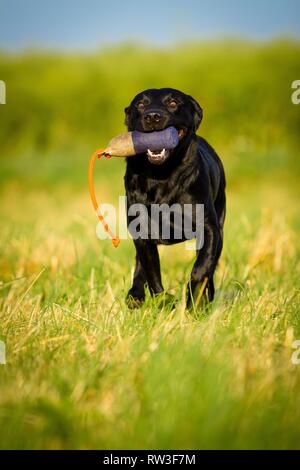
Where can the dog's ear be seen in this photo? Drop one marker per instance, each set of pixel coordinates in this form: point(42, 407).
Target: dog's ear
point(198, 112)
point(127, 113)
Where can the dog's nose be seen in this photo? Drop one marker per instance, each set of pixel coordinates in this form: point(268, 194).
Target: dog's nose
point(153, 118)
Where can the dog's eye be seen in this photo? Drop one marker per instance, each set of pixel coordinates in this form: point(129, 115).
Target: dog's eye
point(140, 105)
point(173, 104)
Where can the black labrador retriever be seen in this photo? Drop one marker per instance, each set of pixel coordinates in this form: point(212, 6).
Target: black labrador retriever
point(192, 173)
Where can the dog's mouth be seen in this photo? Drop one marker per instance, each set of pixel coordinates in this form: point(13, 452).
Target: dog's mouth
point(158, 157)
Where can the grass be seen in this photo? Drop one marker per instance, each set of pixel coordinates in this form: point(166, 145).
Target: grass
point(82, 370)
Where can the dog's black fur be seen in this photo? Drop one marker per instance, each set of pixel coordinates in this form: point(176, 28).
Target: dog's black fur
point(192, 174)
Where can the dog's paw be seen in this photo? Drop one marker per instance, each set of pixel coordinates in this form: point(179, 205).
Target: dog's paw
point(134, 302)
point(164, 299)
point(200, 294)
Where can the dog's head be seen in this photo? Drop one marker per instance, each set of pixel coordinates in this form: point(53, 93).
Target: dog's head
point(158, 109)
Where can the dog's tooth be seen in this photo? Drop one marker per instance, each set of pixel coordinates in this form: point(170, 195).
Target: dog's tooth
point(156, 155)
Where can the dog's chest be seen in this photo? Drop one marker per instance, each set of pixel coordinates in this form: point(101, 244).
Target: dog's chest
point(147, 185)
point(146, 190)
point(155, 192)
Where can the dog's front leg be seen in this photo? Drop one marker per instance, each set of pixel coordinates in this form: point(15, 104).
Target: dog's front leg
point(136, 294)
point(201, 283)
point(147, 271)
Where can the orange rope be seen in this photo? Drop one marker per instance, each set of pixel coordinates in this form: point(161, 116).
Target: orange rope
point(98, 154)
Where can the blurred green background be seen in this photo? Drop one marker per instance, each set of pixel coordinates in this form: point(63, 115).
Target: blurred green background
point(82, 370)
point(61, 106)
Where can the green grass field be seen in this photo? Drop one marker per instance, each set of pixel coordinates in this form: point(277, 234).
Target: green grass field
point(82, 370)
